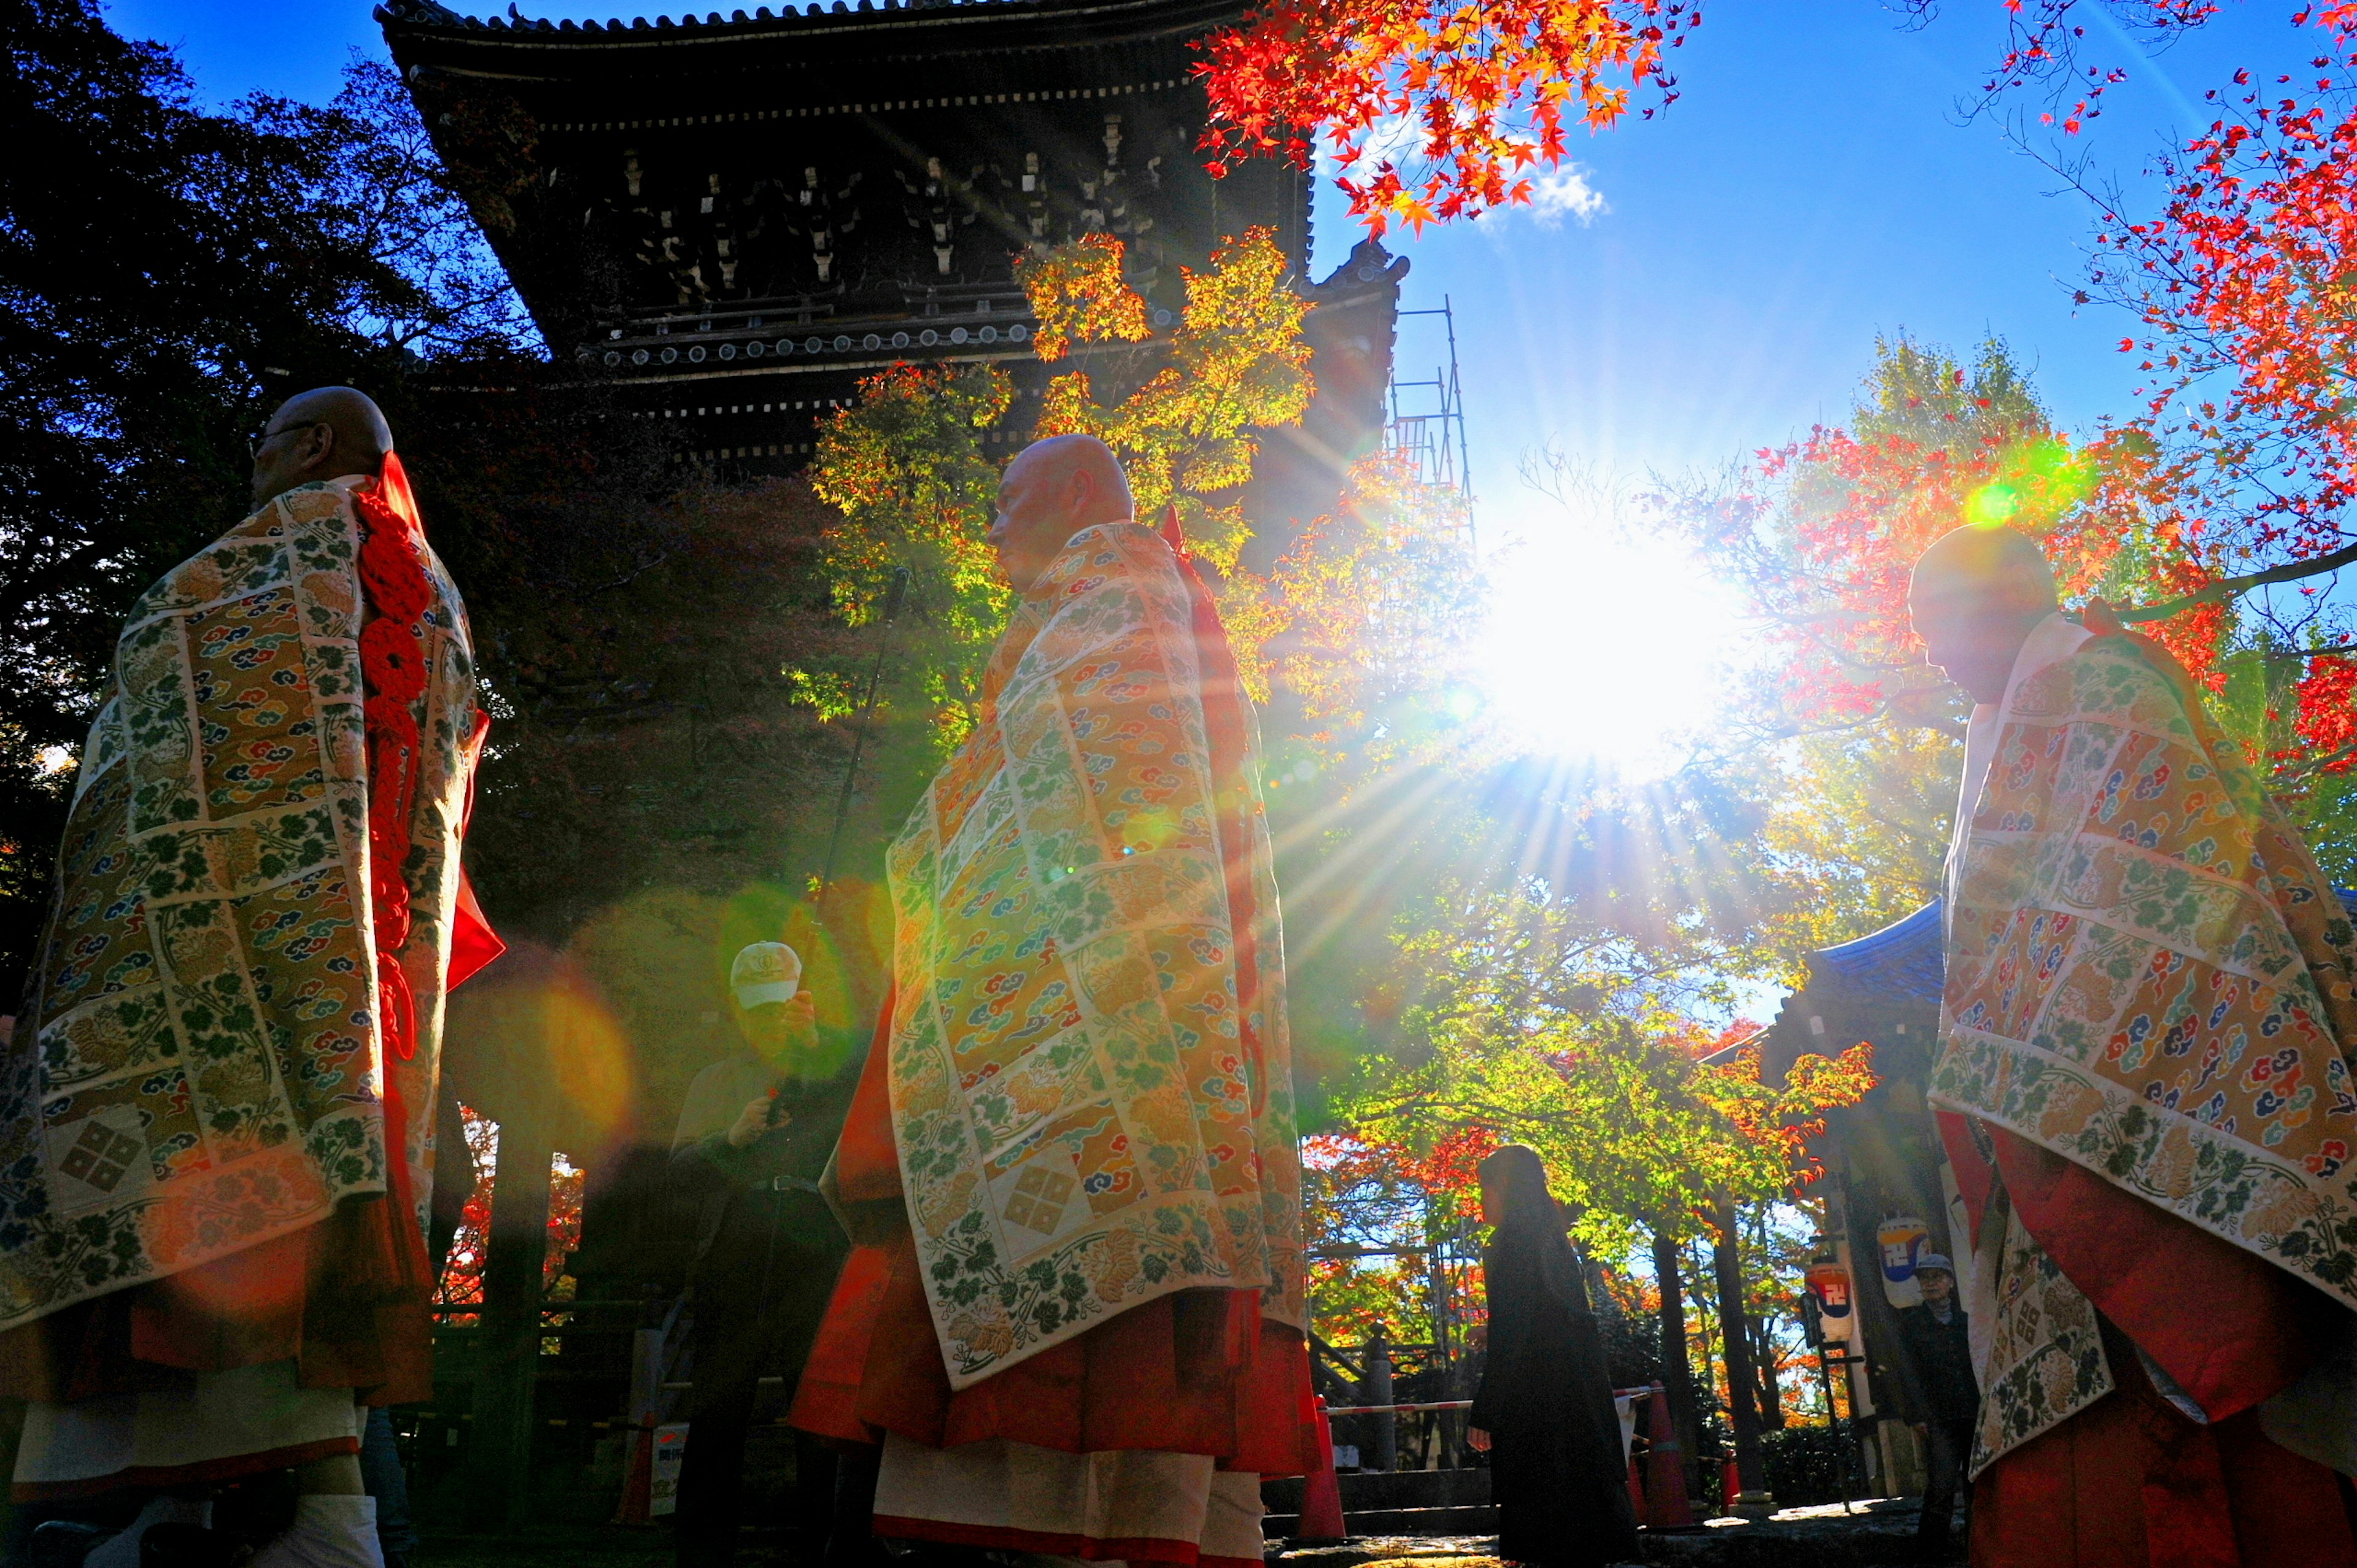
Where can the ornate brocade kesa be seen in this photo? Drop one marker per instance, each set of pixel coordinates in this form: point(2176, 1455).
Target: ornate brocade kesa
point(2046, 1359)
point(1080, 1121)
point(197, 1066)
point(2148, 975)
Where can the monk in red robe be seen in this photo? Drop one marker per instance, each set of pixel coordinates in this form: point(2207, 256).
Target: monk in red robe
point(2143, 1090)
point(217, 1106)
point(1074, 1322)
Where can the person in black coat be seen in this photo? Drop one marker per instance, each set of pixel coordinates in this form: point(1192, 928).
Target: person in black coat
point(1939, 1334)
point(753, 1141)
point(1544, 1413)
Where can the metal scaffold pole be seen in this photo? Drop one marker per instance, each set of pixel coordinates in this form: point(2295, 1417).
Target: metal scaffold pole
point(1427, 422)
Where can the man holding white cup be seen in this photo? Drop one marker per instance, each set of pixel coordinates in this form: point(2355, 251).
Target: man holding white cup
point(753, 1140)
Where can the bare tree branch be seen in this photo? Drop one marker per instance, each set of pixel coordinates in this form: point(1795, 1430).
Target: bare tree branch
point(2225, 589)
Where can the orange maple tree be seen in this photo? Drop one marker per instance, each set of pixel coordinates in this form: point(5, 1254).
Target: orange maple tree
point(1825, 537)
point(1236, 365)
point(2242, 284)
point(1078, 293)
point(2231, 475)
point(461, 1285)
point(1434, 110)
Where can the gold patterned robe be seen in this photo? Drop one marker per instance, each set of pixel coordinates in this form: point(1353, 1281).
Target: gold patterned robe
point(200, 1065)
point(2148, 977)
point(1091, 1085)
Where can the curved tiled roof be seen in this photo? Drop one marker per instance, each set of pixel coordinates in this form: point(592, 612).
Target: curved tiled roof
point(427, 14)
point(1904, 957)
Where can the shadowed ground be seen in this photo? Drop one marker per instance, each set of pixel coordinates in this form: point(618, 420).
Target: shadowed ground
point(1882, 1534)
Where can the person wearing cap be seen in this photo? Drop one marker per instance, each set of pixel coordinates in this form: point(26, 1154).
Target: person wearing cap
point(752, 1141)
point(1939, 1338)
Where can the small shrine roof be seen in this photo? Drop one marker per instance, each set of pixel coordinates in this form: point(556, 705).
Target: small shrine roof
point(1904, 958)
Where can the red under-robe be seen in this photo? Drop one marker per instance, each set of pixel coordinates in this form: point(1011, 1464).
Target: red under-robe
point(2130, 1482)
point(1197, 1372)
point(344, 1299)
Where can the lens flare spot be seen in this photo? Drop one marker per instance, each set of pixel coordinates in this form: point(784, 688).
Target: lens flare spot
point(1992, 505)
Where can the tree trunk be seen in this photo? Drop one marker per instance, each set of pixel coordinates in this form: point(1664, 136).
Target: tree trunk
point(1771, 1392)
point(1376, 1388)
point(1735, 1340)
point(1763, 1343)
point(1677, 1369)
point(507, 1368)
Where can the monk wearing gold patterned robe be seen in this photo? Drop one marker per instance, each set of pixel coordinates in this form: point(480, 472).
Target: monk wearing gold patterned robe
point(216, 1104)
point(1075, 1321)
point(2144, 1090)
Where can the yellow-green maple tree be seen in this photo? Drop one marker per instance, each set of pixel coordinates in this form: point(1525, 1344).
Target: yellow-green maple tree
point(906, 468)
point(1369, 615)
point(1237, 364)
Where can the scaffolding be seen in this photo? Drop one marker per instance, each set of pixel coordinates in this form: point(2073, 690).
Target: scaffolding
point(1427, 418)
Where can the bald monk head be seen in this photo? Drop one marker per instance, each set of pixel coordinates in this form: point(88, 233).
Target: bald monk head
point(1053, 490)
point(323, 433)
point(1978, 593)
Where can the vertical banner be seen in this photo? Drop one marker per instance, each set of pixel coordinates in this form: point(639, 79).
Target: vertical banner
point(671, 1449)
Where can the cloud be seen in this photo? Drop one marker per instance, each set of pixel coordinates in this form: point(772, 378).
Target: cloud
point(1556, 193)
point(1564, 192)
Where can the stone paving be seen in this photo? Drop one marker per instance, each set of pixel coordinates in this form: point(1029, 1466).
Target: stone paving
point(1877, 1534)
point(1880, 1533)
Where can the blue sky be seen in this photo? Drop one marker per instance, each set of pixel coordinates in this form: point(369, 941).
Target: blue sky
point(1815, 187)
point(1812, 188)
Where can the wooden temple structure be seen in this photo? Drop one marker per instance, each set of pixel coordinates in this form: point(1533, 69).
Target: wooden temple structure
point(731, 221)
point(723, 224)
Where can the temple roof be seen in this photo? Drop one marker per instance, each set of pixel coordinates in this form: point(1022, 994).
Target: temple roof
point(520, 50)
point(427, 13)
point(684, 199)
point(1903, 959)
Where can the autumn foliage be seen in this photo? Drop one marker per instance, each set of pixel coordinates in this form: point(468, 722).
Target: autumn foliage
point(1367, 617)
point(2242, 286)
point(1079, 296)
point(462, 1271)
point(1779, 1120)
point(1435, 109)
point(1825, 539)
point(1236, 363)
point(2242, 459)
point(904, 468)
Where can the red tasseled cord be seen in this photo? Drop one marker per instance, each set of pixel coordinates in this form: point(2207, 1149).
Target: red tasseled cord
point(392, 663)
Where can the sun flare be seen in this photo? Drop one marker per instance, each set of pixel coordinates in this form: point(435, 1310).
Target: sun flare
point(1603, 643)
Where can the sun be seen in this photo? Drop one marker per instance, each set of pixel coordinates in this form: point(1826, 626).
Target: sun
point(1604, 643)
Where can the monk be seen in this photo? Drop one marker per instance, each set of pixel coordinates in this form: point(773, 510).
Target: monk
point(1074, 1322)
point(217, 1111)
point(2144, 1092)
